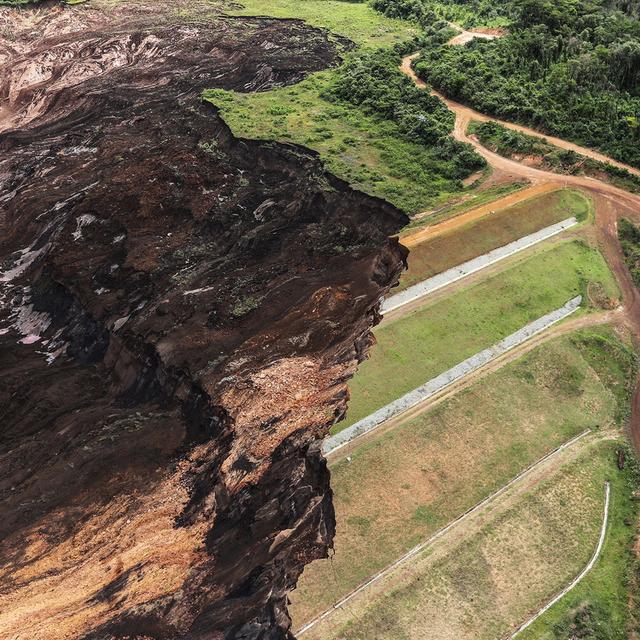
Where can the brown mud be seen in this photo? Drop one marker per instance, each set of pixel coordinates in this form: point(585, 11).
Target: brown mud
point(180, 311)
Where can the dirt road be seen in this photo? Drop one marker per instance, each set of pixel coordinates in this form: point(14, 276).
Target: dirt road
point(446, 226)
point(465, 114)
point(611, 203)
point(465, 36)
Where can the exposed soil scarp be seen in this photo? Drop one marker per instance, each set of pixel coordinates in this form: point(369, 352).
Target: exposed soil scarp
point(180, 311)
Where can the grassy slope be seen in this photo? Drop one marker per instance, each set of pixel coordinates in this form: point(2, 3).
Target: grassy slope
point(496, 230)
point(599, 606)
point(368, 153)
point(416, 348)
point(491, 581)
point(431, 468)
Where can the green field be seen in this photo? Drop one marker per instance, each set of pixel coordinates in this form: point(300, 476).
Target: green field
point(600, 606)
point(416, 348)
point(495, 230)
point(369, 151)
point(482, 585)
point(353, 20)
point(431, 465)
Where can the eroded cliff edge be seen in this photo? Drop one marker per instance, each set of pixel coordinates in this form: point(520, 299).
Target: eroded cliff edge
point(180, 313)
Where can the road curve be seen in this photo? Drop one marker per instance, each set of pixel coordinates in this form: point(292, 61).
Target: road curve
point(465, 36)
point(465, 114)
point(611, 204)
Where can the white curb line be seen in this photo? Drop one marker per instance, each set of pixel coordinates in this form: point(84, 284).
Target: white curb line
point(470, 267)
point(582, 574)
point(444, 380)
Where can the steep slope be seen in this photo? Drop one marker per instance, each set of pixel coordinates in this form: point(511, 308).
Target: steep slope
point(180, 312)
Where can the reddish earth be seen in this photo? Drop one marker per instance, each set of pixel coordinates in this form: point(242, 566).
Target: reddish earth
point(447, 226)
point(180, 312)
point(611, 203)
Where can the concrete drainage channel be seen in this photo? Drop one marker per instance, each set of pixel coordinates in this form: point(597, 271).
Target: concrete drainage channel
point(465, 269)
point(444, 380)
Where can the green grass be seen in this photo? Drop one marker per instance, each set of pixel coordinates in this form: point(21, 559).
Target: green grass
point(354, 20)
point(495, 230)
point(467, 201)
point(365, 151)
point(598, 608)
point(414, 349)
point(488, 582)
point(431, 468)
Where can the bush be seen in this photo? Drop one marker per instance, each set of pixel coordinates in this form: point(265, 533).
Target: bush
point(372, 81)
point(629, 235)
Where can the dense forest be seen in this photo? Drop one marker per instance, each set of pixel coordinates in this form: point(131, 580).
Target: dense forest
point(569, 67)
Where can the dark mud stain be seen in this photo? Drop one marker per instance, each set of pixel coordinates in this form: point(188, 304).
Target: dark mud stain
point(179, 313)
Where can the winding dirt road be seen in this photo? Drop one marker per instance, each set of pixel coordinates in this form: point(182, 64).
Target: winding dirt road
point(465, 114)
point(611, 203)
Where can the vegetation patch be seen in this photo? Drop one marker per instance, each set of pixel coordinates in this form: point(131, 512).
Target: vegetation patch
point(484, 585)
point(615, 363)
point(431, 467)
point(495, 230)
point(520, 146)
point(416, 348)
point(629, 235)
point(368, 121)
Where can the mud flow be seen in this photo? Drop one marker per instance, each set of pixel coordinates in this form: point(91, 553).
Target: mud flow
point(180, 311)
